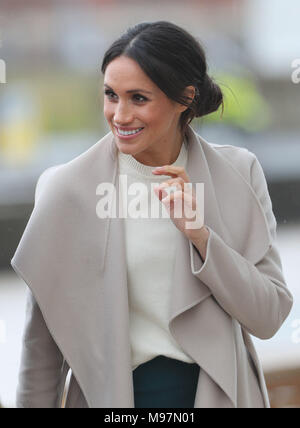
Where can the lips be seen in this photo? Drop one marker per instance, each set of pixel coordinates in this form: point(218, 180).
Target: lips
point(128, 128)
point(126, 135)
point(127, 132)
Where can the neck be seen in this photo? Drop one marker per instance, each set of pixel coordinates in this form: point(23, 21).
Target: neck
point(165, 157)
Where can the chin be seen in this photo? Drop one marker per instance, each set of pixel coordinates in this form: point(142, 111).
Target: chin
point(126, 149)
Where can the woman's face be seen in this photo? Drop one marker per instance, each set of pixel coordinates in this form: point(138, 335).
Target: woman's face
point(132, 102)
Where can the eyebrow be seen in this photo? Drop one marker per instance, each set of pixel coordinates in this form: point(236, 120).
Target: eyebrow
point(131, 90)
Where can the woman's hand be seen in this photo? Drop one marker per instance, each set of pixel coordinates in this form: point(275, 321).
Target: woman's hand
point(181, 203)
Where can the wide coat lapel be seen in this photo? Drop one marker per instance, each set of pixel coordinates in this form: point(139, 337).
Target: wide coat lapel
point(197, 322)
point(75, 264)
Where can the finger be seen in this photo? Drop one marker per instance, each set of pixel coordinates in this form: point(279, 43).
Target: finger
point(173, 171)
point(161, 193)
point(184, 201)
point(173, 196)
point(179, 193)
point(178, 182)
point(173, 202)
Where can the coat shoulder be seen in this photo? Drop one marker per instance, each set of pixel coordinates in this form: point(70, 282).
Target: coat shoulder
point(45, 178)
point(240, 158)
point(230, 151)
point(66, 177)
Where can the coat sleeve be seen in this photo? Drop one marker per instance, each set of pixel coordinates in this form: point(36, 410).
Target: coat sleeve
point(255, 295)
point(41, 362)
point(39, 383)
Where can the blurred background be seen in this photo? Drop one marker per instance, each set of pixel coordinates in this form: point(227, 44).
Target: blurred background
point(51, 110)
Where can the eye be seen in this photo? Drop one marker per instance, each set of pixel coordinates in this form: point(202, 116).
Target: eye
point(109, 93)
point(141, 98)
point(137, 97)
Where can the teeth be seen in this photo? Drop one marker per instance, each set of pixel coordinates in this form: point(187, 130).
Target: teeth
point(128, 132)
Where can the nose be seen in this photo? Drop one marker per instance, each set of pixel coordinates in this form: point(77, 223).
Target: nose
point(123, 114)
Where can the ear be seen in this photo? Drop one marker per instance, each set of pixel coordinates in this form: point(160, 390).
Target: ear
point(190, 92)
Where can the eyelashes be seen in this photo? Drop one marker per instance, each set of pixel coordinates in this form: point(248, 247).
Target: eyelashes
point(137, 97)
point(107, 92)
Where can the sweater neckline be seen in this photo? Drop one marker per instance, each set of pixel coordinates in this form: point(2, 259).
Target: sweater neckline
point(129, 162)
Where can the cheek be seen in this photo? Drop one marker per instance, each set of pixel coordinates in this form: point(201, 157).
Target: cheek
point(162, 112)
point(108, 110)
point(154, 115)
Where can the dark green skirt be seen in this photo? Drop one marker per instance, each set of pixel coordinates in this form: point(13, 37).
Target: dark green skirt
point(164, 382)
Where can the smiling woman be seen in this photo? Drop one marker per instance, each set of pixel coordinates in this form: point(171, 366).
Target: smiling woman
point(148, 312)
point(153, 92)
point(141, 124)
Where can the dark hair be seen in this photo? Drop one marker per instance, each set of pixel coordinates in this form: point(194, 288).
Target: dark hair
point(173, 59)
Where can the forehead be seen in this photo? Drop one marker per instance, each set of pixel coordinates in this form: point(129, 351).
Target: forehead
point(126, 73)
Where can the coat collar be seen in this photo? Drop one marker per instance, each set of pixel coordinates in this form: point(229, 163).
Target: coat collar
point(75, 265)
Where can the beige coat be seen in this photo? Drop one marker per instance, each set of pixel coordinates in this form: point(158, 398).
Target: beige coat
point(77, 312)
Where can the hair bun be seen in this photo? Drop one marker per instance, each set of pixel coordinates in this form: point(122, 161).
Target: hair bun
point(209, 97)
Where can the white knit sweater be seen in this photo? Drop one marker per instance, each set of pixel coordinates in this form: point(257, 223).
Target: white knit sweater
point(150, 253)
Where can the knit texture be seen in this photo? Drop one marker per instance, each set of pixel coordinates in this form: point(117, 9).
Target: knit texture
point(150, 255)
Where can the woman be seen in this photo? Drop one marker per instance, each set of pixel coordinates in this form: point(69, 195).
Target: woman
point(151, 311)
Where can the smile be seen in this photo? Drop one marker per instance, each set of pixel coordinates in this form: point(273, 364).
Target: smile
point(128, 134)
